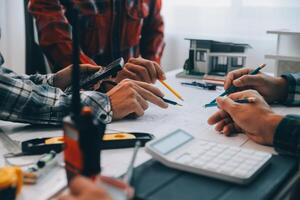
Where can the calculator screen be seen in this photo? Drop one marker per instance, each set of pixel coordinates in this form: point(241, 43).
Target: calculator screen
point(172, 142)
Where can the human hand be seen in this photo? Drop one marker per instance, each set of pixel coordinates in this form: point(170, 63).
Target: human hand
point(62, 79)
point(83, 189)
point(140, 69)
point(130, 97)
point(271, 88)
point(256, 119)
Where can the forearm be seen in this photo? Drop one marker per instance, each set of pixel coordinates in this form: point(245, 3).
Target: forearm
point(36, 78)
point(287, 136)
point(23, 101)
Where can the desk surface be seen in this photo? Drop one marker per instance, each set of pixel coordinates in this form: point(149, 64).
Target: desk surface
point(192, 117)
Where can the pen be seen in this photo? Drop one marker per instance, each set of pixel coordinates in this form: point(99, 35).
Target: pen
point(170, 102)
point(128, 176)
point(208, 86)
point(245, 100)
point(171, 90)
point(234, 88)
point(43, 166)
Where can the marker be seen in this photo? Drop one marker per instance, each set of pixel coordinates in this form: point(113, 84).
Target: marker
point(170, 102)
point(234, 88)
point(128, 176)
point(246, 100)
point(171, 90)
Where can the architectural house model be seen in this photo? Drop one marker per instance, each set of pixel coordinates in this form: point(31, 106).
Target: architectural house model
point(214, 58)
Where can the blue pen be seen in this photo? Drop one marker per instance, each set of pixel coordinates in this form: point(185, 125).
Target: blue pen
point(234, 88)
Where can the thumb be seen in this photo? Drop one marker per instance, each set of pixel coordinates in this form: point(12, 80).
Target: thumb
point(226, 104)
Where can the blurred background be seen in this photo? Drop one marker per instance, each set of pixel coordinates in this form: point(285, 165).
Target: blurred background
point(242, 21)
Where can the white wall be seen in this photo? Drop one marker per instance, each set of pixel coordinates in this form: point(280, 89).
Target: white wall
point(12, 42)
point(228, 20)
point(243, 21)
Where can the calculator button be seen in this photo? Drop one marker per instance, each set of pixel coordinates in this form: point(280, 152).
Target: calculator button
point(218, 161)
point(198, 163)
point(184, 159)
point(206, 157)
point(211, 166)
point(234, 149)
point(250, 162)
point(240, 173)
point(225, 170)
point(211, 153)
point(244, 167)
point(247, 151)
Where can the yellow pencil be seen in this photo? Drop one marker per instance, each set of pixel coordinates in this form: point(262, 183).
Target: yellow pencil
point(171, 90)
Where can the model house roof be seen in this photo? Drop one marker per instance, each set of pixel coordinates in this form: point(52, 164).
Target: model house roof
point(216, 46)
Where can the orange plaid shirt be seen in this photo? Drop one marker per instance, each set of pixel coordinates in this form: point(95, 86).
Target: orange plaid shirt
point(109, 29)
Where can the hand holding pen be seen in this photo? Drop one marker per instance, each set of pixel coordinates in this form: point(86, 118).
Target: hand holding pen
point(256, 120)
point(231, 88)
point(271, 88)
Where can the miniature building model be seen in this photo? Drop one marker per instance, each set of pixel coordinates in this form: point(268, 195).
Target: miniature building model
point(214, 58)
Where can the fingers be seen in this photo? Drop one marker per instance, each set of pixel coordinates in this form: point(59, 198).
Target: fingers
point(218, 116)
point(141, 72)
point(89, 68)
point(151, 96)
point(144, 104)
point(148, 65)
point(231, 76)
point(248, 81)
point(160, 73)
point(245, 94)
point(80, 184)
point(154, 70)
point(67, 197)
point(150, 88)
point(129, 75)
point(226, 104)
point(222, 123)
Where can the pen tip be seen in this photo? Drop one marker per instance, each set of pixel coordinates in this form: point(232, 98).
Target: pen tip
point(179, 104)
point(262, 66)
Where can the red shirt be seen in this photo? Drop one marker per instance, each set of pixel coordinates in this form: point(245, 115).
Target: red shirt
point(109, 29)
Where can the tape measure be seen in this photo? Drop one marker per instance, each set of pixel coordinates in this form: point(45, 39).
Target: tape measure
point(110, 141)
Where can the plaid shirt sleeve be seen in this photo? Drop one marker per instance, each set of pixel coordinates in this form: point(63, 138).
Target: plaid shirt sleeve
point(152, 40)
point(287, 136)
point(36, 78)
point(293, 98)
point(28, 99)
point(51, 22)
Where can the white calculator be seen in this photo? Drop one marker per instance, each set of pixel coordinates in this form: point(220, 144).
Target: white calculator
point(180, 150)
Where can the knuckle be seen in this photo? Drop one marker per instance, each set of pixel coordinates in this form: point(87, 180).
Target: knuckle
point(128, 83)
point(131, 93)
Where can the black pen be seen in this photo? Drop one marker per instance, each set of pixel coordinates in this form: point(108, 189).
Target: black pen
point(245, 100)
point(170, 102)
point(234, 88)
point(128, 176)
point(208, 86)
